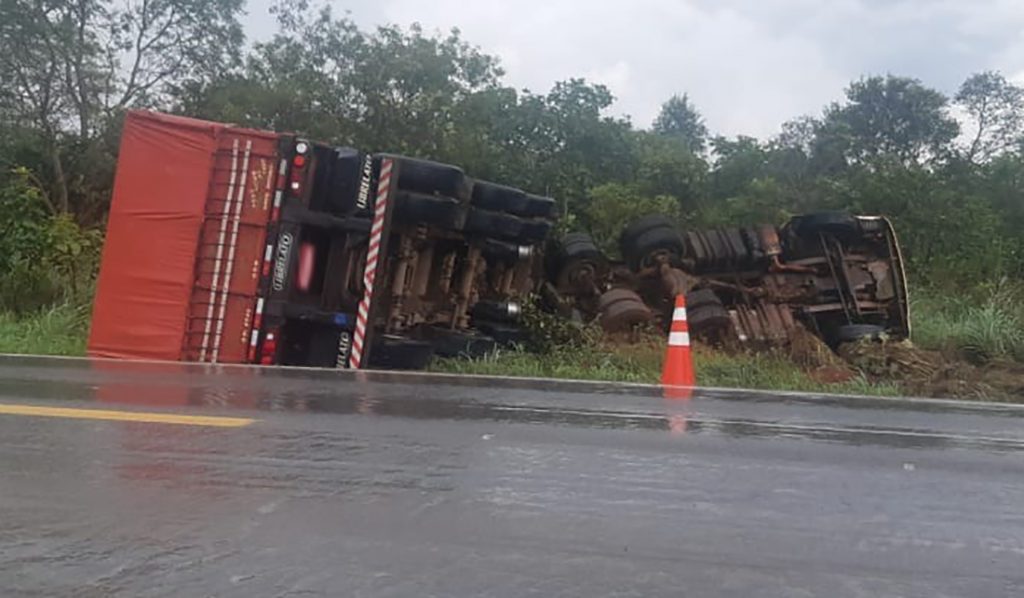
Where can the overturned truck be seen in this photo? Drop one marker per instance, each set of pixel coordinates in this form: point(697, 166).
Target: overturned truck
point(837, 275)
point(233, 245)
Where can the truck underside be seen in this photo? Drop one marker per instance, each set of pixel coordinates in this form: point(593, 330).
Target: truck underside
point(837, 275)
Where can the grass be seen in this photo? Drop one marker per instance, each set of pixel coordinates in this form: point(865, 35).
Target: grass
point(62, 330)
point(57, 330)
point(642, 363)
point(985, 325)
point(981, 326)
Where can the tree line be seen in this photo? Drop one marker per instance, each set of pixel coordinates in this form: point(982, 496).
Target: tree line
point(70, 68)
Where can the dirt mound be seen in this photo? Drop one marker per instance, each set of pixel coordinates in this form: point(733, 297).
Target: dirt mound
point(933, 374)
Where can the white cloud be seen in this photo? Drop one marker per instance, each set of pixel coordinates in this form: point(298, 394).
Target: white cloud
point(749, 65)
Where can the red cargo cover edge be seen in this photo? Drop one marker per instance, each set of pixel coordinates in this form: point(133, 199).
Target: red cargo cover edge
point(156, 216)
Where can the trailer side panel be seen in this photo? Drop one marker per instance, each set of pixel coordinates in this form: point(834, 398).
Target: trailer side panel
point(172, 174)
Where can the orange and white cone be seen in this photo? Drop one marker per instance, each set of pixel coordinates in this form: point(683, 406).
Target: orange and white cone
point(677, 375)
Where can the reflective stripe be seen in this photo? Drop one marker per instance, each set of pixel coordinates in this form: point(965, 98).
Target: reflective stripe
point(229, 267)
point(215, 280)
point(679, 339)
point(679, 315)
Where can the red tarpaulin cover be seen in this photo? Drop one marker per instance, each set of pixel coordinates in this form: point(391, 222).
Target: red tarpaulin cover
point(164, 174)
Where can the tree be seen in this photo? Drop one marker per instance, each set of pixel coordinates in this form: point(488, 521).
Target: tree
point(667, 167)
point(996, 110)
point(679, 118)
point(71, 66)
point(890, 118)
point(738, 162)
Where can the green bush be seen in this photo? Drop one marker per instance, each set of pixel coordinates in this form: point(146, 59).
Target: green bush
point(985, 324)
point(614, 205)
point(547, 332)
point(44, 257)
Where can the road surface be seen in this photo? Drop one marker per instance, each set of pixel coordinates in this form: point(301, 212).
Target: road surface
point(172, 480)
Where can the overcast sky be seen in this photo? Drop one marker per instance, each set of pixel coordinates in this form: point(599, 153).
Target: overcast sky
point(749, 65)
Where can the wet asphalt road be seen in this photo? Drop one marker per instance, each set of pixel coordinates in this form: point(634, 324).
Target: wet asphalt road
point(406, 485)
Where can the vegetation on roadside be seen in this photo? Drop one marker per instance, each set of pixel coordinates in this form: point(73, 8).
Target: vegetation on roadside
point(979, 326)
point(57, 330)
point(641, 363)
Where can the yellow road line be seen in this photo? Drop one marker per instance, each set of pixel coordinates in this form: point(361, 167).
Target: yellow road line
point(125, 416)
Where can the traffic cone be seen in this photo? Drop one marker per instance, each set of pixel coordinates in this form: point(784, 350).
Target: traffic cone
point(677, 376)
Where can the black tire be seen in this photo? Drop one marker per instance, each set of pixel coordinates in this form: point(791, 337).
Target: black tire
point(575, 252)
point(534, 231)
point(837, 223)
point(503, 334)
point(709, 322)
point(579, 245)
point(622, 310)
point(499, 198)
point(469, 344)
point(390, 352)
point(417, 208)
point(493, 224)
point(538, 206)
point(641, 225)
point(641, 251)
point(854, 332)
point(432, 178)
point(701, 298)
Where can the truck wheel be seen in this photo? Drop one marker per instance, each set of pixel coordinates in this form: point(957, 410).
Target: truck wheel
point(540, 207)
point(534, 231)
point(622, 310)
point(417, 208)
point(469, 344)
point(700, 298)
point(499, 198)
point(424, 176)
point(855, 332)
point(836, 222)
point(391, 352)
point(647, 247)
point(709, 322)
point(641, 225)
point(493, 224)
point(576, 259)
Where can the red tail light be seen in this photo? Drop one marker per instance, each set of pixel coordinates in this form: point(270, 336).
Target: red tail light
point(269, 348)
point(299, 162)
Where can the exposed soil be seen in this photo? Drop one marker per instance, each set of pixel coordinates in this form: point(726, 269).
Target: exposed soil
point(934, 374)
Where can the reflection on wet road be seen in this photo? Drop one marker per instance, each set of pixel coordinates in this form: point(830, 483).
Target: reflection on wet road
point(345, 484)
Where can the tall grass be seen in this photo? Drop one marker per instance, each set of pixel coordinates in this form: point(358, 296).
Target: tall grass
point(58, 330)
point(985, 324)
point(642, 363)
